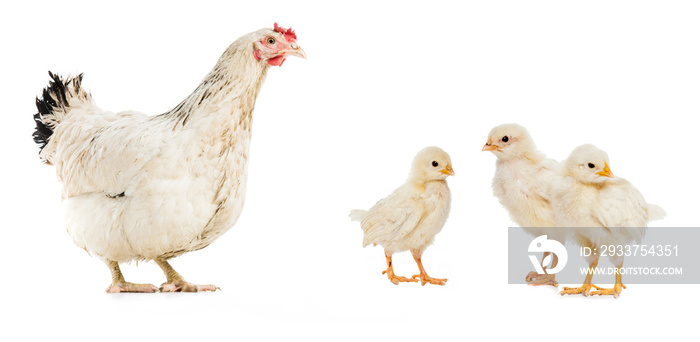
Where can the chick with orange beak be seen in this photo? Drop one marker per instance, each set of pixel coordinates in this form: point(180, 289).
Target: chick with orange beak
point(412, 215)
point(602, 210)
point(522, 184)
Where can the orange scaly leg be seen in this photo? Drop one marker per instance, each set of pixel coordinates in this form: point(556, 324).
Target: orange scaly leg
point(587, 285)
point(390, 272)
point(616, 290)
point(423, 276)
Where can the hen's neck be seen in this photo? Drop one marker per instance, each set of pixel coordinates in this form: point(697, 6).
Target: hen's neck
point(230, 89)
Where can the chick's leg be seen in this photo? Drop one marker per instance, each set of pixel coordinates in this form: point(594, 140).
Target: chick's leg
point(120, 285)
point(175, 283)
point(587, 285)
point(616, 290)
point(423, 276)
point(535, 279)
point(390, 272)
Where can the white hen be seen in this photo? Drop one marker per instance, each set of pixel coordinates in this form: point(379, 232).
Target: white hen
point(140, 187)
point(603, 209)
point(412, 215)
point(522, 183)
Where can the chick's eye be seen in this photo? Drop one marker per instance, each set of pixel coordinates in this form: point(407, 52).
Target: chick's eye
point(504, 139)
point(435, 164)
point(271, 40)
point(591, 165)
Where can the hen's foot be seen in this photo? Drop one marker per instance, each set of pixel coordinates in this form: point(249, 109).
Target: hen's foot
point(183, 286)
point(397, 279)
point(131, 287)
point(584, 290)
point(541, 279)
point(424, 279)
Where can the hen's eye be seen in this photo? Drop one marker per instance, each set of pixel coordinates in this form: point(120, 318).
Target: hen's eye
point(435, 164)
point(271, 40)
point(591, 165)
point(504, 139)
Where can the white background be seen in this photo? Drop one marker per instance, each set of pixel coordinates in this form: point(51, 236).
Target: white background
point(337, 132)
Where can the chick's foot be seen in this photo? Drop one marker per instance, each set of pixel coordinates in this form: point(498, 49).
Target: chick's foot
point(397, 279)
point(615, 291)
point(424, 279)
point(535, 279)
point(584, 290)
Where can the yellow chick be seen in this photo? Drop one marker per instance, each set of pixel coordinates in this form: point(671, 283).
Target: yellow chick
point(412, 215)
point(522, 184)
point(604, 209)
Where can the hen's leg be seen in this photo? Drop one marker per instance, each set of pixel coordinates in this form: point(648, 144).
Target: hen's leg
point(120, 285)
point(390, 272)
point(423, 276)
point(535, 279)
point(175, 283)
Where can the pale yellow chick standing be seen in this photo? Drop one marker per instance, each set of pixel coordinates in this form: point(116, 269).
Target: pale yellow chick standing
point(522, 183)
point(602, 210)
point(412, 215)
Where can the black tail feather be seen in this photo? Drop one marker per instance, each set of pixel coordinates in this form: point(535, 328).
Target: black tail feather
point(54, 96)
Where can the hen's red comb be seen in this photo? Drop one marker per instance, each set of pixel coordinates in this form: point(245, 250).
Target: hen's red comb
point(288, 33)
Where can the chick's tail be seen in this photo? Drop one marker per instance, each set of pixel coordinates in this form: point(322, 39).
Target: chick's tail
point(655, 212)
point(357, 215)
point(58, 99)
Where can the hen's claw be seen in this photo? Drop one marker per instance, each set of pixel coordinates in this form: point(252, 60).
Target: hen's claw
point(131, 287)
point(186, 287)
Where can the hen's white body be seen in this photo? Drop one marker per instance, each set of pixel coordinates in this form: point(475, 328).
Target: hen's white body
point(181, 189)
point(154, 187)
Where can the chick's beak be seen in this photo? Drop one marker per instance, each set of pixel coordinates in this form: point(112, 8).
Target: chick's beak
point(295, 50)
point(489, 147)
point(606, 172)
point(448, 170)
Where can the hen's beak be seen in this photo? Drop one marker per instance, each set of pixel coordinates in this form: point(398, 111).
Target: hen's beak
point(448, 170)
point(295, 50)
point(606, 172)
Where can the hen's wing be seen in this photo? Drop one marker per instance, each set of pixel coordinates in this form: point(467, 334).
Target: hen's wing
point(97, 151)
point(392, 218)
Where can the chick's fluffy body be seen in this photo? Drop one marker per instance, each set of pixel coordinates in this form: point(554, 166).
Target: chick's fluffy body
point(523, 178)
point(413, 214)
point(604, 210)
